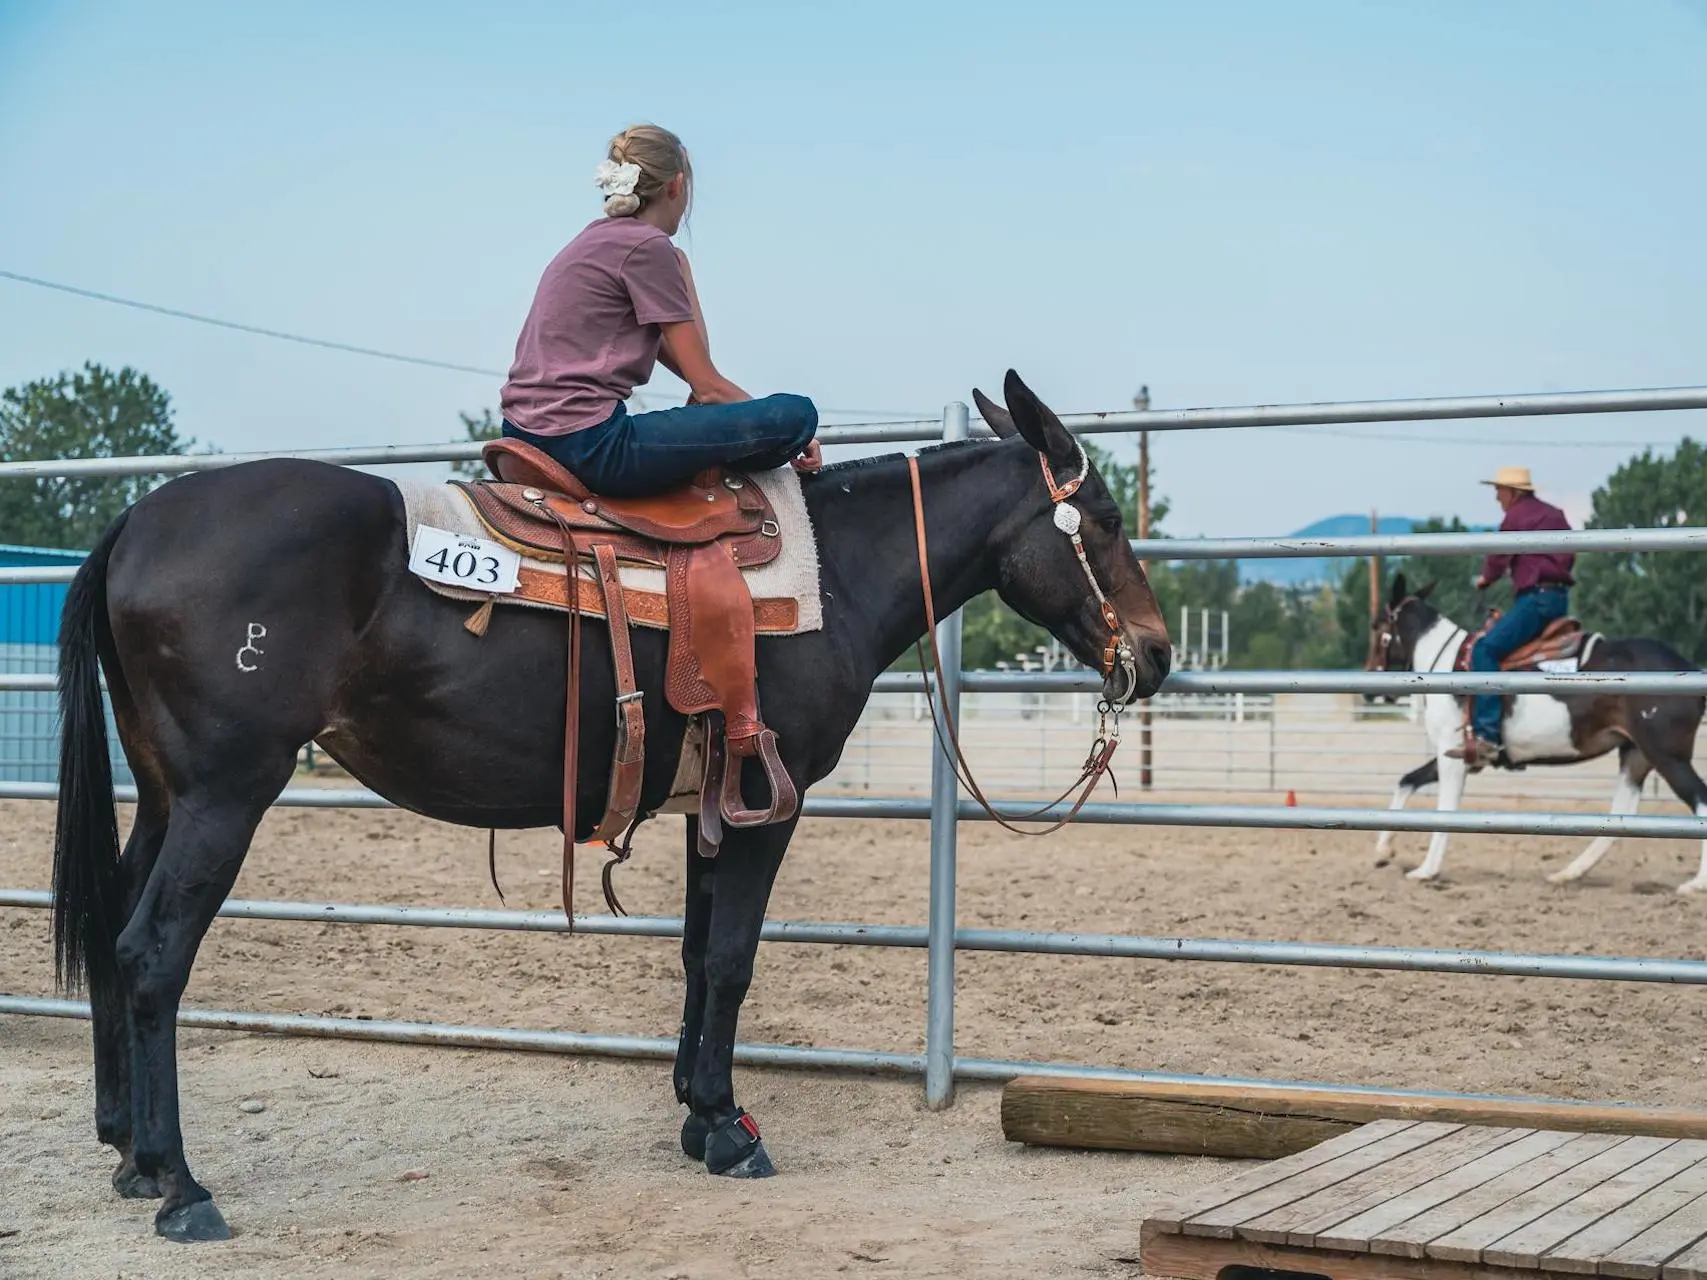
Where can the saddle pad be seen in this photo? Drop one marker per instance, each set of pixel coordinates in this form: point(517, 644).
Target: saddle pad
point(786, 596)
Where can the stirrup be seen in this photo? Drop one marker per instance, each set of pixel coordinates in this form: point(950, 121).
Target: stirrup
point(1477, 753)
point(784, 798)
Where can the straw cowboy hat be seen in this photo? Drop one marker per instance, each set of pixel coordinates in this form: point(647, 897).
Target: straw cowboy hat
point(1512, 478)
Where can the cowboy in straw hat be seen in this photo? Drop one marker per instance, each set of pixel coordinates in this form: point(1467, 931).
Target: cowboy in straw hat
point(1542, 580)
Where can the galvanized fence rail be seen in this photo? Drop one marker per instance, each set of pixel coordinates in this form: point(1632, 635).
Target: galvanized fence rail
point(945, 808)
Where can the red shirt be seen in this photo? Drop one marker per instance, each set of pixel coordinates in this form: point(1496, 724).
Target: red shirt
point(1532, 568)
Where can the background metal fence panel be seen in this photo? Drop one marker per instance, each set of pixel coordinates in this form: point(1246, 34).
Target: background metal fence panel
point(1229, 728)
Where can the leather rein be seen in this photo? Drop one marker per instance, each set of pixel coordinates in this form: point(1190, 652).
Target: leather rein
point(1107, 739)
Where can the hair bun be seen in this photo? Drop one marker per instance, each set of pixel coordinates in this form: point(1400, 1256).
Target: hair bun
point(621, 206)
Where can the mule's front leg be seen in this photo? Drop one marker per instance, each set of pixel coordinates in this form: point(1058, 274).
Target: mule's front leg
point(747, 868)
point(696, 930)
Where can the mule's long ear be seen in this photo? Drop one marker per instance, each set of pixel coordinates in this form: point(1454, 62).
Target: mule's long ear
point(1397, 595)
point(1423, 592)
point(999, 419)
point(1037, 422)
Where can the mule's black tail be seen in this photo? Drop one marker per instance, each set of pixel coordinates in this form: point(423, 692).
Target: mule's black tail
point(86, 837)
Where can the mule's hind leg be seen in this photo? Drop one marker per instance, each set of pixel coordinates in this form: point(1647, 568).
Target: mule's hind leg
point(1633, 770)
point(747, 867)
point(110, 1010)
point(207, 835)
point(1425, 775)
point(696, 929)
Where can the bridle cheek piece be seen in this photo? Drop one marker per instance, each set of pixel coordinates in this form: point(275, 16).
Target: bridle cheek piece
point(1068, 519)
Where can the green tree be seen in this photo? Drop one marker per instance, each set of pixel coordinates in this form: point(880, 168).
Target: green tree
point(1662, 594)
point(1122, 482)
point(486, 426)
point(95, 413)
point(1455, 593)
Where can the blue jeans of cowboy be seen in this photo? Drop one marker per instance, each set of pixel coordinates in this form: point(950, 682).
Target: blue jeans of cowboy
point(1529, 613)
point(636, 455)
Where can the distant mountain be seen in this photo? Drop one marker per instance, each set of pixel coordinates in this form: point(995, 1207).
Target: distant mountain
point(1289, 573)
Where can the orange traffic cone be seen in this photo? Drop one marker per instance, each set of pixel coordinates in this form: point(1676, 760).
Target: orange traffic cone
point(1291, 799)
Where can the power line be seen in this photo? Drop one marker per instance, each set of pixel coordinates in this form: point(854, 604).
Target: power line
point(176, 314)
point(1369, 438)
point(331, 345)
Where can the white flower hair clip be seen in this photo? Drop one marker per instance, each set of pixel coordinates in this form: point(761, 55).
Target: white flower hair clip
point(616, 179)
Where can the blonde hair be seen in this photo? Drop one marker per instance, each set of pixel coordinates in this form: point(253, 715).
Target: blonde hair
point(660, 156)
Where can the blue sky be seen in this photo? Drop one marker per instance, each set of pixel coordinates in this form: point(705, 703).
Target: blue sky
point(1235, 203)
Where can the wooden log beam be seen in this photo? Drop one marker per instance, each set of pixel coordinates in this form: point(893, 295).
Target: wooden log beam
point(1265, 1124)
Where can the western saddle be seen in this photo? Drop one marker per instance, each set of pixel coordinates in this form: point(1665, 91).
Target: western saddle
point(702, 535)
point(1560, 639)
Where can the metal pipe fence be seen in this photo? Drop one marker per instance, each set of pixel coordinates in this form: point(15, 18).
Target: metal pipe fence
point(941, 937)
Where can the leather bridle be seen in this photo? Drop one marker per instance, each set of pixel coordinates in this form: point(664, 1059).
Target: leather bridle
point(1107, 738)
point(1068, 519)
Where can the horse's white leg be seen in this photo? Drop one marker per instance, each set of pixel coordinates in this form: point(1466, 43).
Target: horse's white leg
point(1699, 883)
point(1451, 775)
point(1409, 785)
point(1626, 800)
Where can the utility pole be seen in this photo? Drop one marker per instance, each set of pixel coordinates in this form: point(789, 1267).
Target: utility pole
point(1374, 570)
point(1141, 402)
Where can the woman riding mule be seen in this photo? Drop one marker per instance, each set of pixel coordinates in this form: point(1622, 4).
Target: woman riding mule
point(616, 300)
point(362, 658)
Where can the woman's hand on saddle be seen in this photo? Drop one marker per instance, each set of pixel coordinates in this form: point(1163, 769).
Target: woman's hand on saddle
point(811, 460)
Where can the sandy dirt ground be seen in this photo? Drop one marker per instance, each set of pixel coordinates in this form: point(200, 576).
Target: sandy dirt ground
point(547, 1166)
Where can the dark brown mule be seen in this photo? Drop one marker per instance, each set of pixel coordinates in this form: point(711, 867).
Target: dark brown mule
point(238, 614)
point(1650, 732)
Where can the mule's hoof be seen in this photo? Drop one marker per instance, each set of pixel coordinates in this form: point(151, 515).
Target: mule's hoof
point(133, 1184)
point(755, 1164)
point(1420, 875)
point(1697, 885)
point(694, 1133)
point(733, 1149)
point(1567, 876)
point(192, 1223)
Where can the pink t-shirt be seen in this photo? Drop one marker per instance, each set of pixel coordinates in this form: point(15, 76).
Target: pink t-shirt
point(592, 336)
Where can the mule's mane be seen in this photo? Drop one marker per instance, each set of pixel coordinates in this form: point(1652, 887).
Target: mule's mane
point(892, 459)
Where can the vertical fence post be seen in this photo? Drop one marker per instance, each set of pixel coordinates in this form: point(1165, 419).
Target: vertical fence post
point(945, 801)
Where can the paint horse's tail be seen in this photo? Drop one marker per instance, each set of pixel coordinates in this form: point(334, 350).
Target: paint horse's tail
point(86, 836)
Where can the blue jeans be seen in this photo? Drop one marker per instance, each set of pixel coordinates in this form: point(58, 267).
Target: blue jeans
point(636, 455)
point(1529, 613)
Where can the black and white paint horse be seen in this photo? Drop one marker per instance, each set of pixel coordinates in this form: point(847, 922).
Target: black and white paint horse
point(1649, 732)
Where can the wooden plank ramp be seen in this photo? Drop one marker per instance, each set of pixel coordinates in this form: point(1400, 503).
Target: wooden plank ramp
point(1437, 1200)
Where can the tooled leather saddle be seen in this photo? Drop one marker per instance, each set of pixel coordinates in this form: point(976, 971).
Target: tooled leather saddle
point(1560, 639)
point(703, 535)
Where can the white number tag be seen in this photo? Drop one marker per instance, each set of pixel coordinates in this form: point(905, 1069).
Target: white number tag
point(1558, 666)
point(463, 561)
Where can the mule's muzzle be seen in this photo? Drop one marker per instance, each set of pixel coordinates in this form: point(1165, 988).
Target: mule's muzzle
point(1138, 672)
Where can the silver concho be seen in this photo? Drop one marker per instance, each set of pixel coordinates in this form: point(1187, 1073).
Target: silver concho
point(1067, 518)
